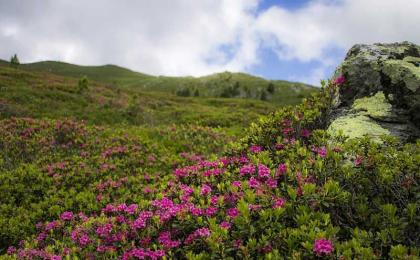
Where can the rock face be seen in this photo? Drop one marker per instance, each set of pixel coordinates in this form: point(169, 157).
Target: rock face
point(381, 92)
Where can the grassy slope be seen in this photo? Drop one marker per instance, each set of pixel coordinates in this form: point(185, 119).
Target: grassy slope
point(39, 95)
point(250, 87)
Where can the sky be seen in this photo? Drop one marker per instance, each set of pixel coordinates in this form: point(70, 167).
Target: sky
point(297, 40)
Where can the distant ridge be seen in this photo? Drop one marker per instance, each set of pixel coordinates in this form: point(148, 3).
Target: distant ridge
point(223, 84)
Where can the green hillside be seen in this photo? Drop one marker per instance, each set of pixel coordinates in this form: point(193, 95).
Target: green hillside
point(226, 84)
point(45, 95)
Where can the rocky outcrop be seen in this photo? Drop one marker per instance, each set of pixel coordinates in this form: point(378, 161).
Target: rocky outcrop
point(381, 92)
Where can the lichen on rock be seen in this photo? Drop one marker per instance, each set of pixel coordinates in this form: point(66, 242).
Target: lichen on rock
point(381, 94)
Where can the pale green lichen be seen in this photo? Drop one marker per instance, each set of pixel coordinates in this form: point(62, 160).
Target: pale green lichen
point(400, 70)
point(359, 121)
point(376, 106)
point(356, 126)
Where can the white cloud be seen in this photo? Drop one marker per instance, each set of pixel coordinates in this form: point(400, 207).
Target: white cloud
point(188, 37)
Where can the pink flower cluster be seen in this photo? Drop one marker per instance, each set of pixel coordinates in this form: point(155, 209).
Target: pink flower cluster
point(340, 80)
point(323, 247)
point(201, 232)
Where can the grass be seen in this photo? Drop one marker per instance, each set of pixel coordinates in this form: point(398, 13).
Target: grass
point(225, 84)
point(45, 95)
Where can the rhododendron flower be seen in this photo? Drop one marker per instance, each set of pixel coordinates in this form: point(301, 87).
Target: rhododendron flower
point(201, 232)
point(287, 131)
point(279, 146)
point(68, 215)
point(51, 225)
point(214, 200)
point(322, 151)
point(254, 207)
point(225, 225)
point(236, 184)
point(166, 241)
point(11, 250)
point(282, 168)
point(256, 149)
point(340, 80)
point(131, 209)
point(358, 161)
point(263, 171)
point(271, 183)
point(237, 243)
point(205, 189)
point(253, 183)
point(210, 211)
point(84, 240)
point(232, 212)
point(104, 230)
point(323, 247)
point(278, 203)
point(247, 169)
point(305, 133)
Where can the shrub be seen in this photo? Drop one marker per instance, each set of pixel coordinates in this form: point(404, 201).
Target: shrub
point(82, 84)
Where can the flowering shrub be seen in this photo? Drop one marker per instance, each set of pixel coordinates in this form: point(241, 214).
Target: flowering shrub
point(286, 190)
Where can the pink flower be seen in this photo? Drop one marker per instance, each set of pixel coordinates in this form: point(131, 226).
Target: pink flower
point(247, 169)
point(236, 184)
point(281, 169)
point(322, 151)
point(210, 211)
point(232, 212)
point(323, 247)
point(272, 183)
point(358, 161)
point(305, 133)
point(340, 80)
point(51, 225)
point(165, 240)
point(201, 232)
point(225, 225)
point(278, 203)
point(237, 243)
point(256, 149)
point(253, 183)
point(214, 200)
point(131, 209)
point(205, 189)
point(68, 215)
point(84, 240)
point(263, 171)
point(11, 250)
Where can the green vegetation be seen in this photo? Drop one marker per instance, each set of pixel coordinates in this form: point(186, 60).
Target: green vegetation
point(151, 174)
point(44, 95)
point(226, 84)
point(286, 190)
point(14, 61)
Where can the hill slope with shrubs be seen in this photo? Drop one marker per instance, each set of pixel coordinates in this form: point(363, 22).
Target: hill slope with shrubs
point(288, 189)
point(225, 85)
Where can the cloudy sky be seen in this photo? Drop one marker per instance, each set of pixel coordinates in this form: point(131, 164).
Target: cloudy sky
point(300, 40)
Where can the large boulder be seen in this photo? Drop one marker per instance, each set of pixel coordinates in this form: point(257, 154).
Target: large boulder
point(381, 92)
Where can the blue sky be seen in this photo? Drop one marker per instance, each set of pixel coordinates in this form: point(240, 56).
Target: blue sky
point(288, 4)
point(271, 67)
point(298, 40)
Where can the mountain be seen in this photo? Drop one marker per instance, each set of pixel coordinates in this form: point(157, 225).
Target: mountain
point(226, 84)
